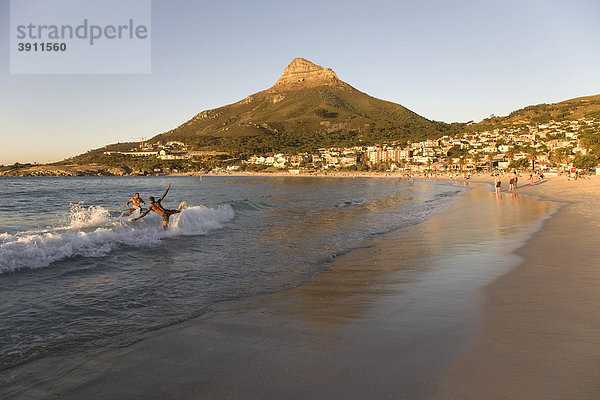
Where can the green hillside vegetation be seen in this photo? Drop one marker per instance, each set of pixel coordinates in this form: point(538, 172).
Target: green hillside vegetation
point(304, 119)
point(582, 107)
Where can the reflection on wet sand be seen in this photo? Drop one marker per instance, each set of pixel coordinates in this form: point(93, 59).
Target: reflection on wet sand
point(457, 242)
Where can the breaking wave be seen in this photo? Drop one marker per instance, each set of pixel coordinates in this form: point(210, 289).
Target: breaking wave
point(93, 232)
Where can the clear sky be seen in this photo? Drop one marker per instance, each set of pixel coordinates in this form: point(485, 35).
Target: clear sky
point(445, 60)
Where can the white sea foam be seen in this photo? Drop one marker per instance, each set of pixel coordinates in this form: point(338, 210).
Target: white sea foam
point(91, 216)
point(93, 233)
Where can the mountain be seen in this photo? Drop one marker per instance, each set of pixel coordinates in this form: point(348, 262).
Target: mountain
point(580, 107)
point(307, 108)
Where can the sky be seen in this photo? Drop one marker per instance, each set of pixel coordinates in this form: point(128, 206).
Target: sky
point(452, 61)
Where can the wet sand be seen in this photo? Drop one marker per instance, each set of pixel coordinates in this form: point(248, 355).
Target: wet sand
point(541, 333)
point(391, 320)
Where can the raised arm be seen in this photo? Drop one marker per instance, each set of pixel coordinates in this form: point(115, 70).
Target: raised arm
point(165, 193)
point(143, 215)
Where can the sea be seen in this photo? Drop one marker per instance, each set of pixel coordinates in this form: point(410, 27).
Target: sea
point(77, 274)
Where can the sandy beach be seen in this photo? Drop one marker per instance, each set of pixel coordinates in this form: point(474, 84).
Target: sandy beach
point(495, 298)
point(541, 320)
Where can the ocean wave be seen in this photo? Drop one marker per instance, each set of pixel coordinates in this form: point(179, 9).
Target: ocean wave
point(248, 205)
point(81, 216)
point(92, 232)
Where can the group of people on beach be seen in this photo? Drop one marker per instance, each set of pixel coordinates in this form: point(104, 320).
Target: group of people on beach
point(514, 180)
point(155, 205)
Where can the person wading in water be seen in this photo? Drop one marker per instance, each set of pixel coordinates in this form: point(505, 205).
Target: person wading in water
point(160, 210)
point(136, 201)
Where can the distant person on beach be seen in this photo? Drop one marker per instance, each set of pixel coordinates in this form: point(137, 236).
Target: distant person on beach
point(511, 183)
point(498, 183)
point(531, 180)
point(136, 202)
point(160, 210)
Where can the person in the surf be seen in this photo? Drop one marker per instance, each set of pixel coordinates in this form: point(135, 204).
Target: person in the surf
point(160, 210)
point(136, 202)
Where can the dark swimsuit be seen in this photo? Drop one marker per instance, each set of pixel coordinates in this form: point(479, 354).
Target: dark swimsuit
point(168, 213)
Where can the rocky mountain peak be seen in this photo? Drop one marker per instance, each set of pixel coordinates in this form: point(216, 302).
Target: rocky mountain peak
point(301, 72)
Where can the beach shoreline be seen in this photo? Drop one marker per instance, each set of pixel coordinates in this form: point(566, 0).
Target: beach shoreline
point(539, 338)
point(321, 340)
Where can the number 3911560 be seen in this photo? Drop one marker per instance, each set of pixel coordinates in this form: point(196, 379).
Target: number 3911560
point(42, 46)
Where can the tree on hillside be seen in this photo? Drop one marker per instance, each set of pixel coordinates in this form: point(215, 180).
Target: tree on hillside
point(531, 155)
point(456, 152)
point(521, 163)
point(560, 156)
point(490, 159)
point(585, 162)
point(477, 158)
point(510, 154)
point(591, 141)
